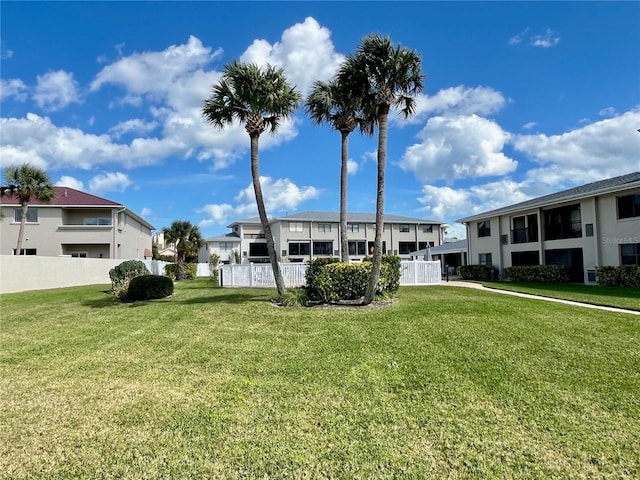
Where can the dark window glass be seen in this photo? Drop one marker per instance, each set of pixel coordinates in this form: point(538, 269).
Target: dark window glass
point(406, 247)
point(322, 248)
point(258, 250)
point(629, 206)
point(630, 254)
point(484, 228)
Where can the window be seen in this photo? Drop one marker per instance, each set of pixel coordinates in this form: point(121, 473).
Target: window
point(588, 229)
point(324, 227)
point(295, 226)
point(258, 250)
point(427, 229)
point(630, 254)
point(96, 221)
point(525, 229)
point(525, 258)
point(357, 248)
point(353, 227)
point(404, 227)
point(253, 236)
point(25, 251)
point(32, 215)
point(629, 206)
point(299, 248)
point(423, 245)
point(226, 246)
point(484, 228)
point(485, 259)
point(79, 255)
point(406, 247)
point(563, 222)
point(322, 248)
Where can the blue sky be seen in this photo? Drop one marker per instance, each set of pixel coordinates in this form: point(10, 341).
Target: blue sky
point(521, 99)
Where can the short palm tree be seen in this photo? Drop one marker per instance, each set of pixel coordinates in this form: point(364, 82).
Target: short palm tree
point(27, 182)
point(187, 239)
point(384, 76)
point(258, 97)
point(330, 102)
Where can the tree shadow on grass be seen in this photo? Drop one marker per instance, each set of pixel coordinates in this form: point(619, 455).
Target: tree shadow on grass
point(231, 298)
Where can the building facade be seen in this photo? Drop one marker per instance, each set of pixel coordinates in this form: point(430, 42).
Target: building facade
point(594, 225)
point(75, 224)
point(307, 235)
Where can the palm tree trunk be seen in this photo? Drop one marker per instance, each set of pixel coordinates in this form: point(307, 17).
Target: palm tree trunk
point(377, 245)
point(344, 243)
point(23, 221)
point(273, 257)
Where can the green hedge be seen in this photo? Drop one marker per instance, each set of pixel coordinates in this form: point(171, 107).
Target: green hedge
point(478, 272)
point(190, 270)
point(624, 275)
point(122, 274)
point(148, 287)
point(329, 280)
point(538, 274)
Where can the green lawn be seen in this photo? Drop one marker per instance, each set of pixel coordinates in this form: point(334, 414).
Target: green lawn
point(620, 297)
point(219, 384)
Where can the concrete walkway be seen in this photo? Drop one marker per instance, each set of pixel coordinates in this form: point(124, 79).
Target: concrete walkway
point(461, 283)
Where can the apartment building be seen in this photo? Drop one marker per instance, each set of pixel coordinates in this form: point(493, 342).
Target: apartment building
point(76, 224)
point(597, 224)
point(307, 235)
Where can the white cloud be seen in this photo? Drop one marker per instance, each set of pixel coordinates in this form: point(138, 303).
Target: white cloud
point(279, 196)
point(447, 203)
point(145, 212)
point(66, 181)
point(529, 125)
point(13, 88)
point(305, 51)
point(352, 167)
point(135, 125)
point(56, 90)
point(546, 40)
point(607, 112)
point(114, 181)
point(5, 53)
point(599, 150)
point(458, 100)
point(155, 72)
point(458, 147)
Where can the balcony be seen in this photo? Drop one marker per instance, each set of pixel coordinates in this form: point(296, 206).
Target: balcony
point(558, 231)
point(524, 235)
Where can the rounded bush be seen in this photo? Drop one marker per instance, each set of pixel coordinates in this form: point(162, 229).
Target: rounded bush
point(148, 287)
point(122, 274)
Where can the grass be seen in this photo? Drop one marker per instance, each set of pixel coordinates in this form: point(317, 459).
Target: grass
point(619, 297)
point(219, 384)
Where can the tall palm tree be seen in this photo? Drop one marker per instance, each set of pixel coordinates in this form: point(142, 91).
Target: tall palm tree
point(259, 97)
point(384, 76)
point(27, 182)
point(330, 102)
point(187, 239)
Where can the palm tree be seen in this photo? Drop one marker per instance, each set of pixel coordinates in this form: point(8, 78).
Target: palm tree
point(330, 102)
point(259, 97)
point(27, 182)
point(384, 76)
point(187, 239)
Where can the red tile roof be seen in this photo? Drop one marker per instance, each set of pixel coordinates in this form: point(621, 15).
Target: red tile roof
point(65, 197)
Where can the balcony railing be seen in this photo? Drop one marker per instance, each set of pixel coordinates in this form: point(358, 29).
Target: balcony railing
point(557, 231)
point(524, 235)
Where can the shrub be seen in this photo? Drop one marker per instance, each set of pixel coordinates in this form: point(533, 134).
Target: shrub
point(478, 272)
point(190, 270)
point(538, 273)
point(148, 287)
point(313, 270)
point(121, 275)
point(624, 275)
point(331, 281)
point(629, 275)
point(294, 297)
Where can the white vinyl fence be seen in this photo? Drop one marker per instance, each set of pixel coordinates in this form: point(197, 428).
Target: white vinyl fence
point(416, 272)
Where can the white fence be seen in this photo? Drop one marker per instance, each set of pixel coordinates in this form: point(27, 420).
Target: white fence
point(416, 272)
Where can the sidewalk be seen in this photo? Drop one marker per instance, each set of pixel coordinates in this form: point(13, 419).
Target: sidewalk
point(462, 283)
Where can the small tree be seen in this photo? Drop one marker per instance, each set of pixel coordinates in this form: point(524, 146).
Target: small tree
point(27, 182)
point(188, 240)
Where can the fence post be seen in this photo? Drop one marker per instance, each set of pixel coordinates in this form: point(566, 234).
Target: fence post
point(415, 271)
point(251, 272)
